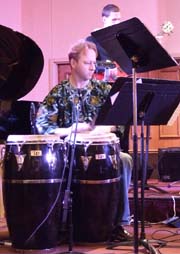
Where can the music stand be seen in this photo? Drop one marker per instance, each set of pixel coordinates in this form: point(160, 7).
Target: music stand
point(157, 101)
point(130, 43)
point(164, 98)
point(136, 50)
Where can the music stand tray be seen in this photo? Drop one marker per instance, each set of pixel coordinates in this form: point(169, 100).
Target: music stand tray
point(130, 41)
point(158, 99)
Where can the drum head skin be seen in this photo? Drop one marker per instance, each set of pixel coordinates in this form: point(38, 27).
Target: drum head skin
point(93, 138)
point(33, 138)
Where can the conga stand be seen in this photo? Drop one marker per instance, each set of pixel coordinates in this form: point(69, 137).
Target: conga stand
point(134, 48)
point(67, 202)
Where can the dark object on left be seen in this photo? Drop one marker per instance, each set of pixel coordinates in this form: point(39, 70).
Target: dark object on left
point(17, 118)
point(21, 64)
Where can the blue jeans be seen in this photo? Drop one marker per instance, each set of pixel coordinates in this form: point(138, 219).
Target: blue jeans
point(126, 173)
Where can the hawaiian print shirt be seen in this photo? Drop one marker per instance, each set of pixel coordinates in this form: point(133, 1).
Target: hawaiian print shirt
point(57, 109)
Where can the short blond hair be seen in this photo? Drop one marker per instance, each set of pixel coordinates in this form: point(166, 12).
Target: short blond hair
point(76, 50)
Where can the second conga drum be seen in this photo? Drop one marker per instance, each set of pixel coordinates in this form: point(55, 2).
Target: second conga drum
point(95, 186)
point(32, 190)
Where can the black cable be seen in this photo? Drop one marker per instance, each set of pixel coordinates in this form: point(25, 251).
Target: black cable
point(51, 209)
point(172, 234)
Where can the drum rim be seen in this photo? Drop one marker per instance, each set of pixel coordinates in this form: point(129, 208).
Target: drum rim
point(93, 138)
point(95, 181)
point(30, 139)
point(32, 181)
point(83, 142)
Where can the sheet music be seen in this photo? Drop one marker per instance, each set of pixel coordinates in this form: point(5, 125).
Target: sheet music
point(114, 97)
point(174, 116)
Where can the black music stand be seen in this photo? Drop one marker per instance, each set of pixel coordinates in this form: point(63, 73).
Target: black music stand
point(136, 50)
point(131, 44)
point(158, 99)
point(156, 102)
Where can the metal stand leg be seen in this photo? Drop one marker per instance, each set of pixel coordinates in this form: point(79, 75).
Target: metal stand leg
point(70, 227)
point(67, 205)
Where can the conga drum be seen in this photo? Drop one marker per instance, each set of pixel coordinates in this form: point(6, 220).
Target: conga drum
point(32, 189)
point(95, 186)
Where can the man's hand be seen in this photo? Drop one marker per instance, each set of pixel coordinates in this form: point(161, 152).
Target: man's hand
point(82, 127)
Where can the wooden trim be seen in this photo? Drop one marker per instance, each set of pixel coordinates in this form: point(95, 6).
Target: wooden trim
point(151, 151)
point(163, 133)
point(53, 70)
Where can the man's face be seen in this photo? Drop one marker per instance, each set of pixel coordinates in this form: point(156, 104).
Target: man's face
point(112, 19)
point(85, 66)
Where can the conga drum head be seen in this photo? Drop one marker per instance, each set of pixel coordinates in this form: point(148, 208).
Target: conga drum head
point(28, 139)
point(33, 155)
point(93, 138)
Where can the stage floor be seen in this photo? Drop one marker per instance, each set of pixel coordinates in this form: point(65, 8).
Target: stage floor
point(162, 201)
point(154, 234)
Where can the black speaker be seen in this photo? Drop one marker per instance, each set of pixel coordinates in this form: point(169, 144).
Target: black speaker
point(169, 164)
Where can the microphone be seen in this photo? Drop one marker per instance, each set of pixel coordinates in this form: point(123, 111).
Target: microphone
point(79, 99)
point(80, 94)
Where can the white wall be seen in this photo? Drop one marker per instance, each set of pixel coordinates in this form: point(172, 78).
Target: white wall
point(169, 10)
point(10, 14)
point(56, 24)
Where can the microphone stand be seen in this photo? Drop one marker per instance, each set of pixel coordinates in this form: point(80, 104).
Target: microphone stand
point(32, 116)
point(67, 202)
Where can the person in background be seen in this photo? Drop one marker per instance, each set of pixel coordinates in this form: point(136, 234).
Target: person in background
point(106, 68)
point(111, 15)
point(55, 116)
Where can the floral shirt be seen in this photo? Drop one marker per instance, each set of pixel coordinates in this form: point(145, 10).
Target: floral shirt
point(57, 109)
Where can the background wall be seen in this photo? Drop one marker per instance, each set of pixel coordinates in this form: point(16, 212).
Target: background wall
point(10, 14)
point(56, 24)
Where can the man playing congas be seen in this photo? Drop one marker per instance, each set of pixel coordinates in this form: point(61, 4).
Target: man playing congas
point(72, 106)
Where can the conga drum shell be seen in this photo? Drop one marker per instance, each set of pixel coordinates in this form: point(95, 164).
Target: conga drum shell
point(94, 211)
point(32, 190)
point(95, 186)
